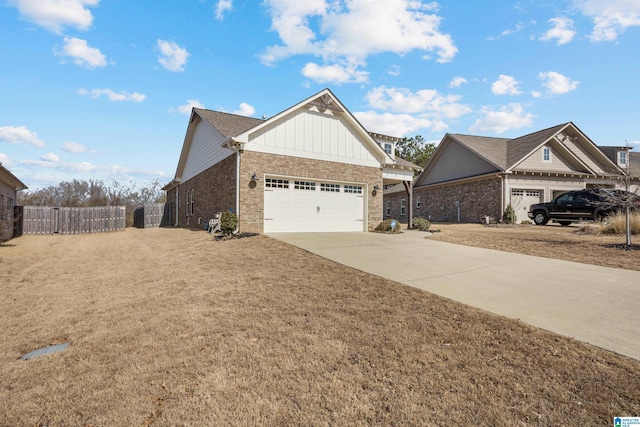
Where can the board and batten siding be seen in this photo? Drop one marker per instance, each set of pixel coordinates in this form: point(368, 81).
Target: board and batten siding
point(206, 150)
point(455, 162)
point(315, 136)
point(558, 163)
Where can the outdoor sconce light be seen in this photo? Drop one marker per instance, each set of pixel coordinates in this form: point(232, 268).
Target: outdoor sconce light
point(376, 187)
point(254, 177)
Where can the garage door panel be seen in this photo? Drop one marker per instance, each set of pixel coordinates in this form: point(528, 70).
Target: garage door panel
point(313, 206)
point(521, 200)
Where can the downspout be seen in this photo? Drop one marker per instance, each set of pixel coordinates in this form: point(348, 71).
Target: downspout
point(503, 183)
point(177, 208)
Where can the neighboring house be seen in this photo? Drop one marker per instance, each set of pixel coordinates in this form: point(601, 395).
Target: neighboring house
point(625, 159)
point(471, 177)
point(9, 187)
point(312, 167)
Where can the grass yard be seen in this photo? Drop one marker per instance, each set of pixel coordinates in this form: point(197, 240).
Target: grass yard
point(551, 241)
point(168, 327)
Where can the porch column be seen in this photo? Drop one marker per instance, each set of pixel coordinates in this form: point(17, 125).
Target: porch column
point(408, 187)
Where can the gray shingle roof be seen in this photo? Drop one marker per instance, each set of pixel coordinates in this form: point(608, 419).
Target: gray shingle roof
point(402, 162)
point(229, 125)
point(504, 152)
point(492, 149)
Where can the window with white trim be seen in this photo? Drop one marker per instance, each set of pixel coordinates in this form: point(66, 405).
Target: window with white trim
point(517, 192)
point(403, 206)
point(9, 207)
point(189, 202)
point(354, 189)
point(1, 207)
point(532, 193)
point(304, 185)
point(332, 188)
point(388, 208)
point(388, 148)
point(276, 183)
point(418, 202)
point(622, 158)
point(546, 155)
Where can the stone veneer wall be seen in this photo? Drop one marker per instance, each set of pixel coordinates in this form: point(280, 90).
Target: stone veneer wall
point(252, 196)
point(477, 199)
point(214, 191)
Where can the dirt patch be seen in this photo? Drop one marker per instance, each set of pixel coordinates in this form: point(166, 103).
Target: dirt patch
point(169, 329)
point(552, 241)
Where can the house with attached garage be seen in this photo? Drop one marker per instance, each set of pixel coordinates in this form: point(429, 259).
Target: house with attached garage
point(312, 167)
point(469, 178)
point(9, 187)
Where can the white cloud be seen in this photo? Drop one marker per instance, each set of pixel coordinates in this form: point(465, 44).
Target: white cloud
point(74, 147)
point(20, 135)
point(186, 108)
point(50, 157)
point(113, 96)
point(562, 31)
point(337, 74)
point(54, 15)
point(172, 57)
point(610, 17)
point(536, 94)
point(505, 85)
point(508, 117)
point(111, 171)
point(513, 30)
point(457, 82)
point(222, 7)
point(556, 83)
point(83, 55)
point(428, 102)
point(394, 70)
point(396, 124)
point(350, 31)
point(5, 160)
point(245, 110)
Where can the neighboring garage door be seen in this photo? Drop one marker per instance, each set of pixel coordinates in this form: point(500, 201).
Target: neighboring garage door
point(294, 205)
point(521, 200)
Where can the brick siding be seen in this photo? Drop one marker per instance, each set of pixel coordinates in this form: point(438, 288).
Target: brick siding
point(214, 190)
point(437, 203)
point(6, 217)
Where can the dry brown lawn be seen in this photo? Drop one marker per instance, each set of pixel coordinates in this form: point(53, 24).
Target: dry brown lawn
point(168, 327)
point(551, 241)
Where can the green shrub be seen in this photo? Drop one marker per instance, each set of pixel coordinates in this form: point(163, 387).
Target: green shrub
point(617, 224)
point(389, 226)
point(228, 223)
point(526, 222)
point(509, 215)
point(420, 223)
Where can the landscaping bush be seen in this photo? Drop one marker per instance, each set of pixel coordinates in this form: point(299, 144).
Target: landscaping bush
point(228, 223)
point(387, 227)
point(617, 224)
point(509, 215)
point(420, 223)
point(526, 222)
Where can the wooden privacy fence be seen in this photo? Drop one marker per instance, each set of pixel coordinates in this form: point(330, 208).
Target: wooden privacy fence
point(51, 220)
point(153, 215)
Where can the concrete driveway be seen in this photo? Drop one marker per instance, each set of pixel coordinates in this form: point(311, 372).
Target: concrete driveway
point(598, 305)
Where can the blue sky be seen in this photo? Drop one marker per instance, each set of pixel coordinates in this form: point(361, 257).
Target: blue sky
point(102, 89)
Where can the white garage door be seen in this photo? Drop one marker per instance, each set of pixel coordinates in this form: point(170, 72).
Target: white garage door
point(521, 200)
point(292, 205)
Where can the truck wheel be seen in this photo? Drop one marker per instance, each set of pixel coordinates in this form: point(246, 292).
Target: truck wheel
point(540, 218)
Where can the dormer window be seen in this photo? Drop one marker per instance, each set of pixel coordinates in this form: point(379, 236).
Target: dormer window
point(622, 158)
point(546, 155)
point(388, 148)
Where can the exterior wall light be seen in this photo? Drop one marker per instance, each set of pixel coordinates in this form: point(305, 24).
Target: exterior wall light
point(254, 177)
